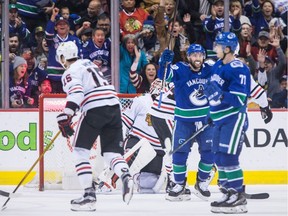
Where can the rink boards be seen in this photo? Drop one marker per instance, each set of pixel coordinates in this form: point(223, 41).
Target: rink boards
point(264, 157)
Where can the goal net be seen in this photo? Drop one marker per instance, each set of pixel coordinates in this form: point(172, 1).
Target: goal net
point(57, 169)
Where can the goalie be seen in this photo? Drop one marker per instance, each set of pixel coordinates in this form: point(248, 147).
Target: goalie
point(144, 153)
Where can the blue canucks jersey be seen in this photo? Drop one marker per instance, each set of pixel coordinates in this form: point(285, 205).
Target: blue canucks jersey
point(191, 104)
point(234, 80)
point(93, 52)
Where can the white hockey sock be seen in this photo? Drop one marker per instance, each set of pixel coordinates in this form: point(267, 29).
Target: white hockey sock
point(116, 161)
point(83, 167)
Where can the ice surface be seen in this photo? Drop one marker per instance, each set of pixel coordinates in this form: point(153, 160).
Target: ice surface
point(57, 202)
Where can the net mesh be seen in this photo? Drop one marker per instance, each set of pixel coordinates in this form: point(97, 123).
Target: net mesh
point(59, 171)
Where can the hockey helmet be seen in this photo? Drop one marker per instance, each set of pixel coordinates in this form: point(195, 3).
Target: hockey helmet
point(193, 48)
point(155, 87)
point(67, 50)
point(227, 39)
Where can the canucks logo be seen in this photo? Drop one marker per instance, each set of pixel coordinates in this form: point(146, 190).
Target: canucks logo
point(197, 97)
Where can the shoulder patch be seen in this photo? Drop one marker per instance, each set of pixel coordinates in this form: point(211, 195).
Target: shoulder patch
point(210, 62)
point(174, 67)
point(237, 63)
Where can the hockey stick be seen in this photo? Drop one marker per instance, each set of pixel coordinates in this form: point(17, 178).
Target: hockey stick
point(32, 167)
point(255, 196)
point(165, 71)
point(7, 194)
point(192, 137)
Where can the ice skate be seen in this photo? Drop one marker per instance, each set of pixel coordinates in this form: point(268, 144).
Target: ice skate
point(128, 184)
point(215, 206)
point(85, 203)
point(170, 184)
point(201, 187)
point(235, 203)
point(179, 193)
point(201, 191)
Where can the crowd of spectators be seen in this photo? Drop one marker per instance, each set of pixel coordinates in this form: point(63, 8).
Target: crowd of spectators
point(147, 27)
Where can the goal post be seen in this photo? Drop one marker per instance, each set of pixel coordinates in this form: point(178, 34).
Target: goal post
point(57, 164)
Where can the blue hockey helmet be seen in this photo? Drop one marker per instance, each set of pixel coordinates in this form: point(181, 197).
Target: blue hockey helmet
point(193, 48)
point(227, 39)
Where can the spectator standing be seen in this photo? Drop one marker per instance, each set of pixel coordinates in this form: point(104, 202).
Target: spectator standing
point(214, 24)
point(127, 57)
point(16, 25)
point(273, 72)
point(131, 18)
point(72, 18)
point(90, 17)
point(36, 37)
point(171, 37)
point(147, 40)
point(98, 49)
point(35, 71)
point(104, 22)
point(85, 36)
point(142, 82)
point(41, 53)
point(19, 87)
point(279, 99)
point(262, 15)
point(57, 32)
point(263, 42)
point(34, 12)
point(14, 46)
point(198, 10)
point(44, 87)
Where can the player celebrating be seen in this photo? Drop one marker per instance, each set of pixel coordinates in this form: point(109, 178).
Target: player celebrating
point(87, 89)
point(227, 92)
point(190, 114)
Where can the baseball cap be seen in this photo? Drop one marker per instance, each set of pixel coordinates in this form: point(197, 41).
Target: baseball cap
point(216, 1)
point(39, 29)
point(263, 34)
point(61, 19)
point(13, 6)
point(268, 59)
point(87, 31)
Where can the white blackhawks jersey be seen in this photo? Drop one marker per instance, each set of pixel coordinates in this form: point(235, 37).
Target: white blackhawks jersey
point(85, 85)
point(258, 94)
point(167, 105)
point(134, 118)
point(166, 108)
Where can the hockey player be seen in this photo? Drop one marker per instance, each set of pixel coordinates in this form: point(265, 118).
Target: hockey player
point(161, 116)
point(227, 92)
point(191, 113)
point(88, 90)
point(139, 126)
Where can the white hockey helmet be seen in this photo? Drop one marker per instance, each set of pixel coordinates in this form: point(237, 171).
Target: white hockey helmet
point(66, 51)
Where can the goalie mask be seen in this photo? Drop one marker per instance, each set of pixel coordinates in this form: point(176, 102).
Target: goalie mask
point(155, 87)
point(66, 51)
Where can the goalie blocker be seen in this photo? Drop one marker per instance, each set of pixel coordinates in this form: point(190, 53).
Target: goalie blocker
point(137, 157)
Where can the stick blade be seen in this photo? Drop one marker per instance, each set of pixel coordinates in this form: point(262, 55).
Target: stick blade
point(257, 196)
point(7, 194)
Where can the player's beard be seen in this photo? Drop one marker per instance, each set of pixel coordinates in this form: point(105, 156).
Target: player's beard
point(196, 65)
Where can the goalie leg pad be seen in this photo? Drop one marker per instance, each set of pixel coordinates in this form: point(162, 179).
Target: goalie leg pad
point(140, 156)
point(147, 181)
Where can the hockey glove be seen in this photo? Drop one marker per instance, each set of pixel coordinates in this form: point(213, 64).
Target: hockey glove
point(266, 114)
point(64, 124)
point(212, 91)
point(166, 57)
